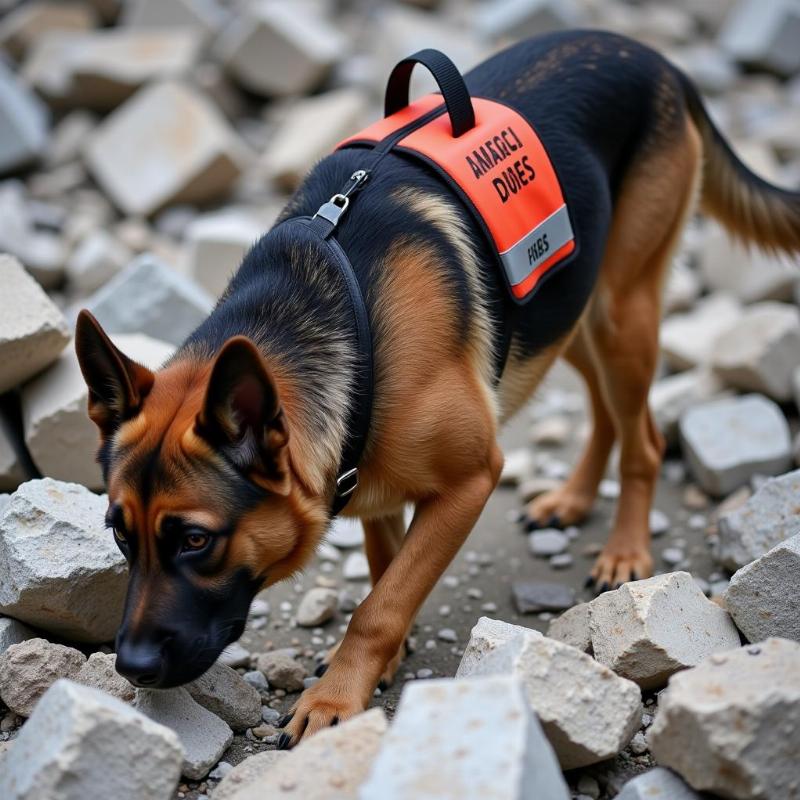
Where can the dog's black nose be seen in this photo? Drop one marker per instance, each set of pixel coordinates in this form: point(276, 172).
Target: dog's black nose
point(142, 664)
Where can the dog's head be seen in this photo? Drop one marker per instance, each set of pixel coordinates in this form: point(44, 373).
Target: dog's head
point(203, 500)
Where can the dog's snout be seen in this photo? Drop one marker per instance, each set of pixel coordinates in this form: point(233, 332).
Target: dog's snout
point(142, 663)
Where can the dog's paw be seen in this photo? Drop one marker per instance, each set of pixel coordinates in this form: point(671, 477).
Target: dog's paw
point(318, 707)
point(619, 564)
point(557, 508)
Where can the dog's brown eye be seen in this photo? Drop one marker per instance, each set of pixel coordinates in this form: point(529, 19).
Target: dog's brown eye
point(119, 536)
point(195, 541)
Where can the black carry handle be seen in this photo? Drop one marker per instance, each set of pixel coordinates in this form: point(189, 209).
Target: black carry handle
point(447, 76)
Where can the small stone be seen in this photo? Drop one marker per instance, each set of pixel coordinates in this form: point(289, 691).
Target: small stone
point(534, 596)
point(659, 522)
point(547, 542)
point(82, 744)
point(672, 556)
point(517, 467)
point(28, 669)
point(726, 441)
point(609, 489)
point(695, 499)
point(100, 673)
point(762, 596)
point(447, 635)
point(572, 628)
point(203, 735)
point(551, 431)
point(248, 773)
point(345, 533)
point(759, 687)
point(424, 673)
point(225, 693)
point(588, 786)
point(12, 631)
point(561, 561)
point(317, 607)
point(656, 783)
point(634, 629)
point(24, 122)
point(442, 746)
point(281, 669)
point(356, 567)
point(97, 259)
point(234, 655)
point(670, 397)
point(531, 488)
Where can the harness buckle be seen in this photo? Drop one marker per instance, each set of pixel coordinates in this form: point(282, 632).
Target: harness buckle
point(347, 483)
point(337, 205)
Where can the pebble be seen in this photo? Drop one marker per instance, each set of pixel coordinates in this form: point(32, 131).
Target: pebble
point(659, 522)
point(609, 489)
point(672, 556)
point(534, 596)
point(547, 542)
point(561, 561)
point(356, 567)
point(317, 607)
point(447, 635)
point(424, 673)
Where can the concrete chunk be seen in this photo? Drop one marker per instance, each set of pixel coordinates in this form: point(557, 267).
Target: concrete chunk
point(12, 631)
point(223, 692)
point(317, 607)
point(762, 597)
point(61, 438)
point(32, 330)
point(100, 673)
point(24, 25)
point(731, 725)
point(203, 736)
point(149, 297)
point(727, 441)
point(178, 148)
point(521, 18)
point(686, 339)
point(768, 518)
point(249, 775)
point(59, 567)
point(761, 352)
point(24, 123)
point(272, 50)
point(28, 669)
point(572, 628)
point(588, 713)
point(657, 783)
point(329, 766)
point(96, 259)
point(443, 745)
point(203, 16)
point(81, 744)
point(648, 630)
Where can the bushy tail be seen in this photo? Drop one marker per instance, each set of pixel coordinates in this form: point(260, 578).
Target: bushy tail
point(748, 206)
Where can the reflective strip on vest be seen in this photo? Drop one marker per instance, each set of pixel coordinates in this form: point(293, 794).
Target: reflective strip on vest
point(504, 171)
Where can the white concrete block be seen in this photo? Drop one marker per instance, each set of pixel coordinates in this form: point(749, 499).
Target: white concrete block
point(572, 628)
point(24, 123)
point(179, 149)
point(657, 783)
point(648, 630)
point(32, 329)
point(96, 259)
point(522, 18)
point(21, 27)
point(203, 16)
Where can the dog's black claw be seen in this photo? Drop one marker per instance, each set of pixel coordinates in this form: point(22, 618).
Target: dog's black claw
point(616, 585)
point(383, 685)
point(321, 670)
point(589, 582)
point(604, 587)
point(554, 522)
point(285, 720)
point(529, 525)
point(283, 741)
point(634, 576)
point(334, 722)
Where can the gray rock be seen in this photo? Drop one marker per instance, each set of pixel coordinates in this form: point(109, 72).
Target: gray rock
point(13, 467)
point(726, 441)
point(234, 655)
point(59, 567)
point(12, 631)
point(257, 680)
point(81, 744)
point(28, 669)
point(587, 712)
point(657, 783)
point(149, 297)
point(317, 607)
point(356, 567)
point(225, 693)
point(100, 673)
point(634, 630)
point(248, 774)
point(32, 330)
point(518, 466)
point(24, 123)
point(762, 597)
point(522, 18)
point(731, 725)
point(281, 669)
point(769, 517)
point(97, 258)
point(547, 542)
point(23, 26)
point(534, 596)
point(203, 16)
point(572, 628)
point(203, 735)
point(443, 745)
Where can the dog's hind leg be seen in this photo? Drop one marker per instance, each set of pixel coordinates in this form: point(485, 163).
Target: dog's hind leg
point(570, 503)
point(653, 204)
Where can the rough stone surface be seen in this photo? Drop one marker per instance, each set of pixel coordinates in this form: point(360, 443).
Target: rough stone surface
point(726, 441)
point(149, 297)
point(99, 672)
point(588, 713)
point(204, 16)
point(60, 437)
point(657, 784)
point(223, 692)
point(81, 744)
point(572, 628)
point(274, 51)
point(12, 631)
point(22, 26)
point(522, 18)
point(443, 745)
point(28, 669)
point(547, 542)
point(766, 519)
point(331, 765)
point(731, 725)
point(59, 567)
point(248, 775)
point(317, 607)
point(23, 123)
point(635, 628)
point(32, 330)
point(203, 735)
point(762, 597)
point(178, 149)
point(687, 339)
point(281, 669)
point(97, 259)
point(761, 352)
point(534, 596)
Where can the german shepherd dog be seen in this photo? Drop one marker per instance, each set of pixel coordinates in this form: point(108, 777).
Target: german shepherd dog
point(221, 466)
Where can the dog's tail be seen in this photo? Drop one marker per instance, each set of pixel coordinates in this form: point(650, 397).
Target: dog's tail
point(748, 206)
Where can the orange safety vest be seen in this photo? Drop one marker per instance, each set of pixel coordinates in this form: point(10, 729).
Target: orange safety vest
point(501, 169)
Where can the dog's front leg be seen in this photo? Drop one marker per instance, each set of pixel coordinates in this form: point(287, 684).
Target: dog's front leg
point(379, 625)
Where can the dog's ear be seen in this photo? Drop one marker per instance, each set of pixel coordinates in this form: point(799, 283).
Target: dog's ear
point(242, 415)
point(117, 385)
